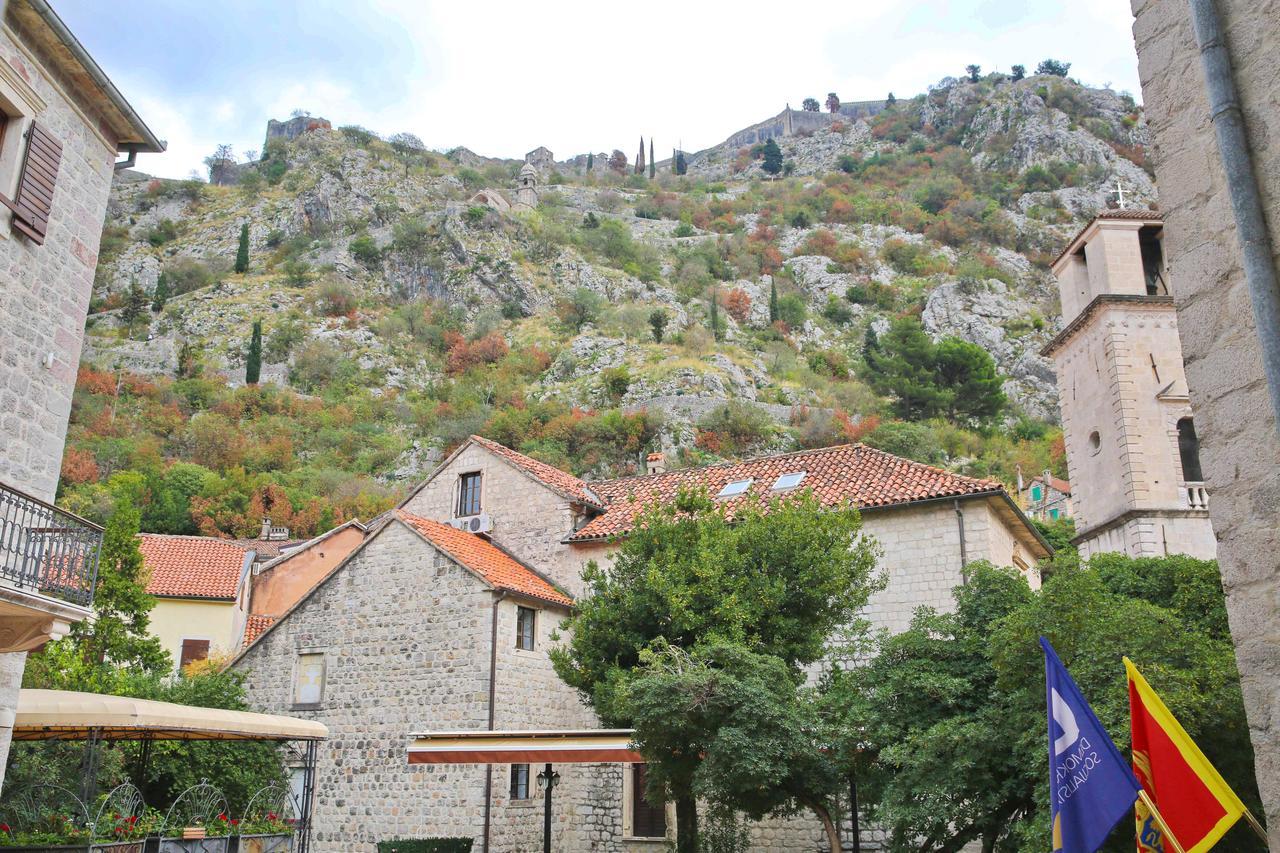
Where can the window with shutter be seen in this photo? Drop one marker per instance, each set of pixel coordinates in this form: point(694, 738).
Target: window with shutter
point(647, 820)
point(33, 200)
point(193, 651)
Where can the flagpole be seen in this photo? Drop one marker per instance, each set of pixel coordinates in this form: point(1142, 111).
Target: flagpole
point(1257, 827)
point(1164, 827)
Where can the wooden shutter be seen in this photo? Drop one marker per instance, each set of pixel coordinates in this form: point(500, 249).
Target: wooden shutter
point(647, 820)
point(192, 651)
point(34, 198)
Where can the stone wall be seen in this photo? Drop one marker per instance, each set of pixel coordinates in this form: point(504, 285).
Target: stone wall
point(1240, 450)
point(44, 290)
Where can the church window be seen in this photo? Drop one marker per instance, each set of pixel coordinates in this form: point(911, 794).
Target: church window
point(308, 683)
point(1189, 451)
point(519, 781)
point(1152, 262)
point(469, 494)
point(526, 623)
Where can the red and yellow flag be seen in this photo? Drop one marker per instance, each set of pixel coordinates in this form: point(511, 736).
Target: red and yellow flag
point(1193, 798)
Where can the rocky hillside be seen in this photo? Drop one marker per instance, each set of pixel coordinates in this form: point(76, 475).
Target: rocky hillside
point(400, 311)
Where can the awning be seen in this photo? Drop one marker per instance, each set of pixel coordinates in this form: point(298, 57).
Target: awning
point(68, 715)
point(598, 746)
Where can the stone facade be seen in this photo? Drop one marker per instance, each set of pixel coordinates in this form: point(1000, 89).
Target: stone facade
point(1124, 398)
point(1241, 450)
point(45, 289)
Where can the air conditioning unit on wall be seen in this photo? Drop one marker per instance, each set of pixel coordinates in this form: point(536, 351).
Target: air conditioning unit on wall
point(481, 523)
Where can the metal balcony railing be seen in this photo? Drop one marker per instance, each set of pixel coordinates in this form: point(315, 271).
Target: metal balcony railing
point(47, 550)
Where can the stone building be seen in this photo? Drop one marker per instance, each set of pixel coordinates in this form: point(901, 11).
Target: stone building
point(441, 621)
point(1127, 423)
point(62, 125)
point(1046, 497)
point(1220, 338)
point(291, 128)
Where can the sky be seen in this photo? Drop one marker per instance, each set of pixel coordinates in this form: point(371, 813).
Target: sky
point(503, 78)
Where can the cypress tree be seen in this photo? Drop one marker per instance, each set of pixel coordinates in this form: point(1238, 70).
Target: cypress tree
point(640, 158)
point(253, 360)
point(653, 164)
point(715, 316)
point(161, 294)
point(591, 162)
point(773, 302)
point(242, 253)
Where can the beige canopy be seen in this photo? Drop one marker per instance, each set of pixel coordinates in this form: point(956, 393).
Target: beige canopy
point(67, 715)
point(559, 746)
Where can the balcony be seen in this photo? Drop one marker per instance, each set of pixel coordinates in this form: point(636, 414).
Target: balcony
point(1195, 496)
point(48, 566)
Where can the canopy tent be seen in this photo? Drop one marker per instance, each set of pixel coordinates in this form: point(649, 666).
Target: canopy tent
point(68, 715)
point(97, 717)
point(600, 746)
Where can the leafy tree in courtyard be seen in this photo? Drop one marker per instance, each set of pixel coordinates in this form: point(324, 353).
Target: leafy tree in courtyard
point(974, 72)
point(658, 323)
point(811, 105)
point(116, 640)
point(1018, 72)
point(949, 715)
point(775, 580)
point(833, 102)
point(772, 157)
point(242, 251)
point(1054, 67)
point(253, 358)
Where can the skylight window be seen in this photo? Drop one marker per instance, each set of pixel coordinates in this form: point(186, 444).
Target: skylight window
point(788, 481)
point(735, 488)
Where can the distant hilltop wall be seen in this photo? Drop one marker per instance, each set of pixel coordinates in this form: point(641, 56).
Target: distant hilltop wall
point(790, 122)
point(291, 129)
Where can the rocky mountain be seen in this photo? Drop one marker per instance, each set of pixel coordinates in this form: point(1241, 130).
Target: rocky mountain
point(421, 289)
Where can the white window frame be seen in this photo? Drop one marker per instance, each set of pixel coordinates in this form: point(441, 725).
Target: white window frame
point(457, 492)
point(537, 614)
point(21, 104)
point(746, 487)
point(294, 700)
point(778, 485)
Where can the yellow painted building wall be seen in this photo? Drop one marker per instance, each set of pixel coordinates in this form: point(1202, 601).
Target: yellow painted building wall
point(176, 619)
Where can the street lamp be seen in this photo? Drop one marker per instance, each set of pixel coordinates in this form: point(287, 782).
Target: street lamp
point(547, 781)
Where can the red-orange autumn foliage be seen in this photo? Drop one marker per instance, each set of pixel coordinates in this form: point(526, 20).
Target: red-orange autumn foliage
point(463, 354)
point(79, 466)
point(738, 305)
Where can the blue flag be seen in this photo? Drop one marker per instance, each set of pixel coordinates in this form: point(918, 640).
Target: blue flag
point(1090, 785)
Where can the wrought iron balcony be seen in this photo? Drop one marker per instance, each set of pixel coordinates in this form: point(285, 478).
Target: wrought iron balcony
point(46, 550)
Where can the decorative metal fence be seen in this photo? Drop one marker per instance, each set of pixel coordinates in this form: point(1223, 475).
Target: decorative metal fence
point(47, 550)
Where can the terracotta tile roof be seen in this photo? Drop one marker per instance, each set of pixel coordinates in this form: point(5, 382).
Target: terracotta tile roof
point(1055, 483)
point(192, 566)
point(255, 625)
point(564, 483)
point(851, 473)
point(486, 559)
point(269, 549)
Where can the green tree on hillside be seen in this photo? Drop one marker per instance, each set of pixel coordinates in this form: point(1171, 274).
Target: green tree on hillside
point(792, 576)
point(682, 166)
point(160, 295)
point(969, 374)
point(242, 251)
point(772, 157)
point(890, 101)
point(773, 303)
point(1053, 67)
point(653, 164)
point(1018, 72)
point(974, 72)
point(833, 102)
point(811, 105)
point(591, 163)
point(135, 304)
point(253, 358)
point(658, 323)
point(713, 315)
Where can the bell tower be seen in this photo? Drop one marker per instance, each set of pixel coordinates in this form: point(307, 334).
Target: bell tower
point(1137, 485)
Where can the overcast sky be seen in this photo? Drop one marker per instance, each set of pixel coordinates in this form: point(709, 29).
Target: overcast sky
point(504, 78)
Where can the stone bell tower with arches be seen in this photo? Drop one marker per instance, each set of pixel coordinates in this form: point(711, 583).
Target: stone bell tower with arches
point(1137, 485)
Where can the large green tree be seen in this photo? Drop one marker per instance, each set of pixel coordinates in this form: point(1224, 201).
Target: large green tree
point(772, 157)
point(253, 358)
point(776, 579)
point(950, 714)
point(974, 388)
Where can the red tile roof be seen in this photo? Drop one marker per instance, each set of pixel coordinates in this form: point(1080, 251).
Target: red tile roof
point(1056, 483)
point(850, 473)
point(269, 549)
point(564, 483)
point(255, 625)
point(486, 559)
point(192, 566)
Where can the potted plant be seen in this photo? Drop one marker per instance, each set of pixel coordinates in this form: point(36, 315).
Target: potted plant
point(268, 834)
point(54, 832)
point(125, 833)
point(213, 837)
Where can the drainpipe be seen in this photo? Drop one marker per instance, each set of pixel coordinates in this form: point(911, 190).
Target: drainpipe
point(964, 554)
point(1242, 186)
point(493, 686)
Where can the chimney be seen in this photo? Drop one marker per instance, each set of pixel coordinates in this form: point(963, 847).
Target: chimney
point(655, 463)
point(266, 530)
